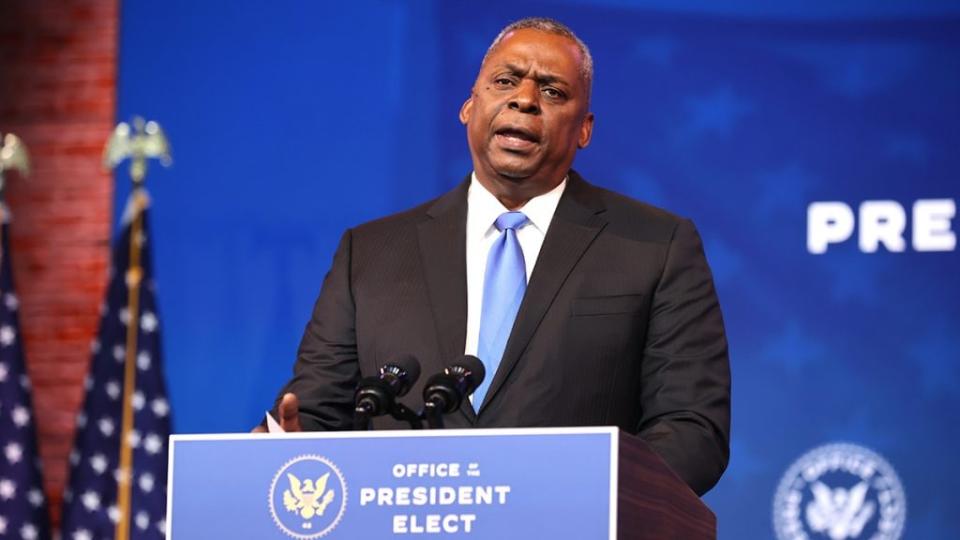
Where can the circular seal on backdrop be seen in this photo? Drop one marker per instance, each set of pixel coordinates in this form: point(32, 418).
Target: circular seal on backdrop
point(308, 497)
point(840, 491)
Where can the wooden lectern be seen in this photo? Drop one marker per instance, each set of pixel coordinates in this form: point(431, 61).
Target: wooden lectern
point(653, 502)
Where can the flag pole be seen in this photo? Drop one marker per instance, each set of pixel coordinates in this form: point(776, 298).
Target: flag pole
point(145, 141)
point(133, 278)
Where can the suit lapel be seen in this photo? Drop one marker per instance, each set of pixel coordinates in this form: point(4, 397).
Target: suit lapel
point(576, 222)
point(443, 253)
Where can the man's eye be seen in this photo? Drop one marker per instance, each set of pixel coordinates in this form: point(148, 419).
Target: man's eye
point(503, 81)
point(552, 92)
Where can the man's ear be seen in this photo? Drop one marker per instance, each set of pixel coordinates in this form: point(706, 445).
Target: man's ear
point(465, 110)
point(586, 131)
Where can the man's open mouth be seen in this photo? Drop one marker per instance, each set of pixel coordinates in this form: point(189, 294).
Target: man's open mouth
point(516, 138)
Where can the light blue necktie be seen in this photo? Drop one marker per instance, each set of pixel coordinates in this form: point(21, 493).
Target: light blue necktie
point(503, 286)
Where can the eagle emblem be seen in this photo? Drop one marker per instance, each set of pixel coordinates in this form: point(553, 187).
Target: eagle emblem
point(139, 142)
point(13, 156)
point(840, 513)
point(308, 498)
point(840, 491)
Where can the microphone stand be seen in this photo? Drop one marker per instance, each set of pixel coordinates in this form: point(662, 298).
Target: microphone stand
point(399, 411)
point(361, 416)
point(377, 395)
point(446, 391)
point(433, 414)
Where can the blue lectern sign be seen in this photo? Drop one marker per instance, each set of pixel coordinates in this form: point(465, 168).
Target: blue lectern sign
point(504, 483)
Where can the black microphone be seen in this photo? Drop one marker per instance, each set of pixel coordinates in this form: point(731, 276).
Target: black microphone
point(445, 391)
point(377, 395)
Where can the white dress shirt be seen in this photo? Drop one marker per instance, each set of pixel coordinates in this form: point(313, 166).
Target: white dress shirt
point(483, 209)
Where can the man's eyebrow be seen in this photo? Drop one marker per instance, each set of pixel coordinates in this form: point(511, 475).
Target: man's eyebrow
point(542, 78)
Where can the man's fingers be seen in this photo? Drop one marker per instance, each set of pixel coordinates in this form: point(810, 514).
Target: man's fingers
point(289, 406)
point(289, 411)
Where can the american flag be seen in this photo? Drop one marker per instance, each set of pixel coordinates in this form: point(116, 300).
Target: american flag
point(23, 507)
point(92, 506)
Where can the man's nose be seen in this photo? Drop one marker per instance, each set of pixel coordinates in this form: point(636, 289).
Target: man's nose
point(527, 98)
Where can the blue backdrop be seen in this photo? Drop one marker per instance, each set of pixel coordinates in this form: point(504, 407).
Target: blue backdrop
point(290, 123)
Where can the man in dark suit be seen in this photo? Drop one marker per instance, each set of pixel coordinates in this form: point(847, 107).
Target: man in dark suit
point(616, 321)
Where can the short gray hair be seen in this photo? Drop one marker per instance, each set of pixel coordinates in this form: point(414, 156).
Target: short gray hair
point(550, 26)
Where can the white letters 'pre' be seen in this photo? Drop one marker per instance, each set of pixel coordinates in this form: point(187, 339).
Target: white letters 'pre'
point(882, 222)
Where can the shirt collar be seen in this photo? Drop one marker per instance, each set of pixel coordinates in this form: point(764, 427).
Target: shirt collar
point(484, 207)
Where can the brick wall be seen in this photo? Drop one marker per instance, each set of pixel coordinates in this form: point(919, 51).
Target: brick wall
point(57, 92)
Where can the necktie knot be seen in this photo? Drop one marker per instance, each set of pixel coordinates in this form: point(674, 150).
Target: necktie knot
point(511, 220)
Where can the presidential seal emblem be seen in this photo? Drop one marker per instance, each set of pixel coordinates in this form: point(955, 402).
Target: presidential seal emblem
point(308, 497)
point(840, 492)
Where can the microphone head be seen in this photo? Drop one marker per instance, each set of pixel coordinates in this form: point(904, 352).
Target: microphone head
point(405, 369)
point(470, 366)
point(447, 390)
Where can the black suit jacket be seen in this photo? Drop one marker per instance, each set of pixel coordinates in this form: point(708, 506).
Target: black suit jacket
point(620, 325)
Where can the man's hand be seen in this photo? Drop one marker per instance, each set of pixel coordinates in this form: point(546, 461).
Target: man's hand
point(288, 410)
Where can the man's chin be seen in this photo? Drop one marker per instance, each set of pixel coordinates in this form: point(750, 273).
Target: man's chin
point(515, 171)
point(514, 176)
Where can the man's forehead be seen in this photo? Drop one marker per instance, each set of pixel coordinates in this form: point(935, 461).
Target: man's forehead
point(526, 45)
